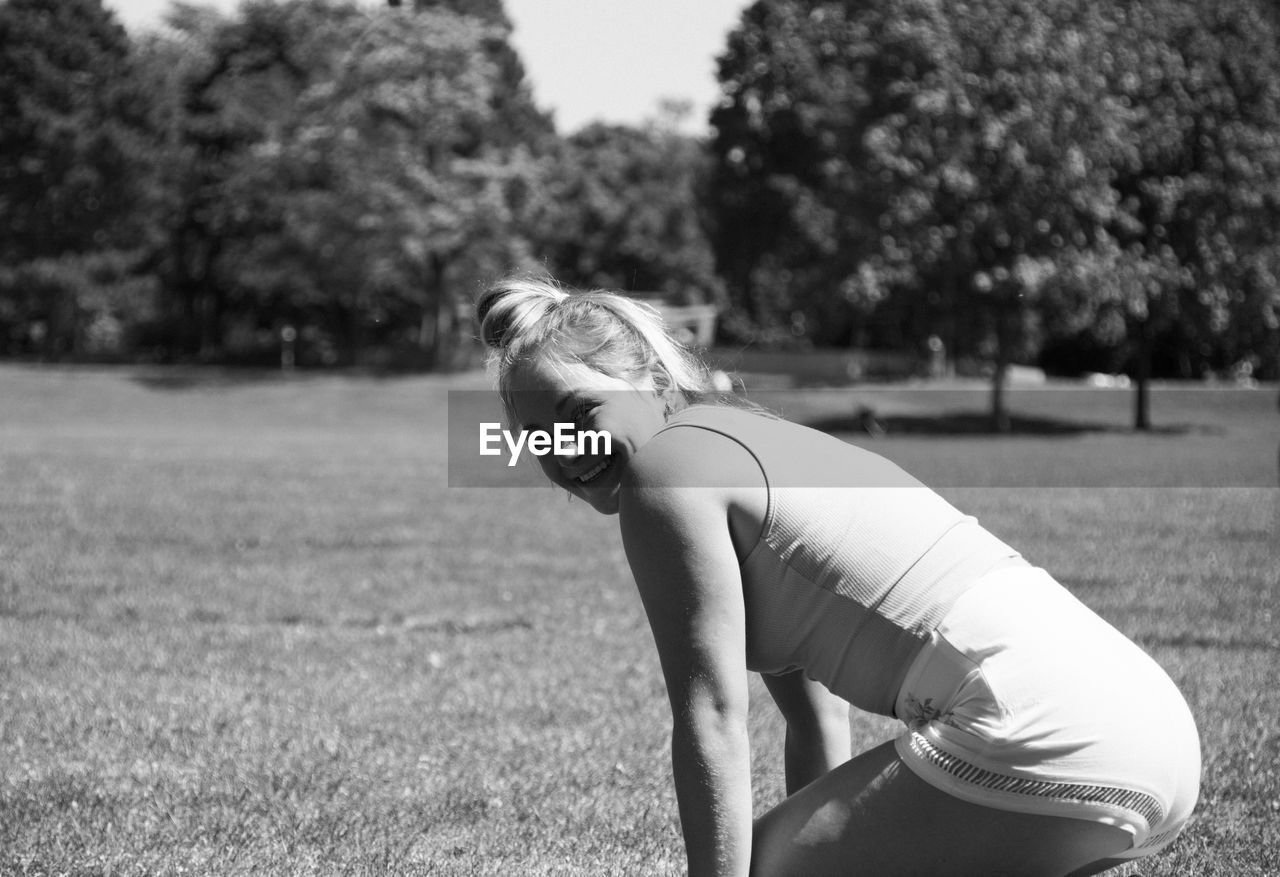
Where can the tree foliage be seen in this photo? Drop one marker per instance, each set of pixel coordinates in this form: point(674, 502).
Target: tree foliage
point(344, 170)
point(1183, 267)
point(967, 169)
point(73, 177)
point(1099, 177)
point(70, 156)
point(620, 209)
point(910, 150)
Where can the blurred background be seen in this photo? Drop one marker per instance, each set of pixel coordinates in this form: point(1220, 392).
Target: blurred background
point(1081, 188)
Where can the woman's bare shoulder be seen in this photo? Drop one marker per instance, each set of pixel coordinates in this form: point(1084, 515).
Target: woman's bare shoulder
point(688, 456)
point(730, 492)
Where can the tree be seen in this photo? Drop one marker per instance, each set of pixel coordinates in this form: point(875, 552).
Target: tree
point(912, 150)
point(343, 170)
point(72, 114)
point(403, 179)
point(977, 169)
point(1197, 182)
point(803, 82)
point(236, 84)
point(72, 159)
point(621, 210)
point(515, 118)
point(996, 169)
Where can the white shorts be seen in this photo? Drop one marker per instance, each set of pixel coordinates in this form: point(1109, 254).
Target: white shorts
point(1025, 700)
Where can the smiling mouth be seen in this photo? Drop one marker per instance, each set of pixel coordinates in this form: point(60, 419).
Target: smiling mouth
point(594, 473)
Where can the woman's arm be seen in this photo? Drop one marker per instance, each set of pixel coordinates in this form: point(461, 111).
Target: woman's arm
point(678, 544)
point(817, 727)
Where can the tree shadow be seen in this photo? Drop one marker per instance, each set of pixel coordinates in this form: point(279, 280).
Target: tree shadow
point(179, 378)
point(971, 423)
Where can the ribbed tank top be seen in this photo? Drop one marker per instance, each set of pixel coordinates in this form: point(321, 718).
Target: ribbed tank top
point(856, 564)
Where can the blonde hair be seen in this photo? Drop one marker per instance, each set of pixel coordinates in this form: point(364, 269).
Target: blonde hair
point(526, 319)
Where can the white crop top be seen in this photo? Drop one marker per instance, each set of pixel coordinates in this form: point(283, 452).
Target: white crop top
point(857, 561)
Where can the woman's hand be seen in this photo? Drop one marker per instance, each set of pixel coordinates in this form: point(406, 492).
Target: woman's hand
point(678, 544)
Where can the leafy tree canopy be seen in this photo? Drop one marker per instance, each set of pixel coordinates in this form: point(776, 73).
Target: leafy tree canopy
point(70, 140)
point(621, 210)
point(968, 169)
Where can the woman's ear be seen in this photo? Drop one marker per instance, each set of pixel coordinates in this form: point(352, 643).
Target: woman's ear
point(672, 401)
point(665, 387)
point(662, 381)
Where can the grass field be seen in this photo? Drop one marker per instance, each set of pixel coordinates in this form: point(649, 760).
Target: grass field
point(245, 628)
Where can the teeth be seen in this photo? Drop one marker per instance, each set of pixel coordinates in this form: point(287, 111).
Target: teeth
point(589, 476)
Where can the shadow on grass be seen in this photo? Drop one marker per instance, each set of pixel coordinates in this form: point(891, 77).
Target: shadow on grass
point(1225, 643)
point(966, 423)
point(178, 377)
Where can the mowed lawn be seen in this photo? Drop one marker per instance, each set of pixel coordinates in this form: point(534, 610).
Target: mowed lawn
point(245, 627)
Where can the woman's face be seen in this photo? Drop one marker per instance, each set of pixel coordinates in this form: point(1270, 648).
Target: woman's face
point(546, 393)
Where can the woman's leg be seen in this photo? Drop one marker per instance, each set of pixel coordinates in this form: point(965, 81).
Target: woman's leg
point(873, 815)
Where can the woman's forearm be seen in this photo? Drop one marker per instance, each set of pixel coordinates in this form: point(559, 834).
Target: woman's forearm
point(813, 750)
point(711, 759)
point(817, 727)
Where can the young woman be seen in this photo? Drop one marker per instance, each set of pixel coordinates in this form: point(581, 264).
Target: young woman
point(1038, 740)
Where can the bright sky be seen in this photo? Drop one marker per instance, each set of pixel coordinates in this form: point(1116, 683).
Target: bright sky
point(591, 59)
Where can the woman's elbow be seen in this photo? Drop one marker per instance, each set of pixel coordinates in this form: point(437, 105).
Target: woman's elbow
point(712, 712)
point(704, 712)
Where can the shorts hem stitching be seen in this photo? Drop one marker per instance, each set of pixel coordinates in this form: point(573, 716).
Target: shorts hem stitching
point(1138, 803)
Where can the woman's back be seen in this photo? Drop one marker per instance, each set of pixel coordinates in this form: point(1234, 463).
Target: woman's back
point(856, 560)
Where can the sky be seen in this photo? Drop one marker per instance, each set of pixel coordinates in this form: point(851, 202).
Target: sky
point(587, 60)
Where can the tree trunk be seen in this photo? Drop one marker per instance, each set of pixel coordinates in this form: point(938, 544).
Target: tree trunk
point(1142, 378)
point(60, 328)
point(442, 345)
point(196, 309)
point(186, 331)
point(950, 325)
point(344, 318)
point(1000, 421)
point(436, 321)
point(212, 309)
point(442, 337)
point(180, 288)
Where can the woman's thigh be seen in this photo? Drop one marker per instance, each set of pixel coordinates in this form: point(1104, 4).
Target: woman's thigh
point(873, 815)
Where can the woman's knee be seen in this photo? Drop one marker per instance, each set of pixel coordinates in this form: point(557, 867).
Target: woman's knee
point(833, 824)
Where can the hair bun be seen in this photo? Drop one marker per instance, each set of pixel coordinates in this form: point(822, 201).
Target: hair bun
point(511, 306)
